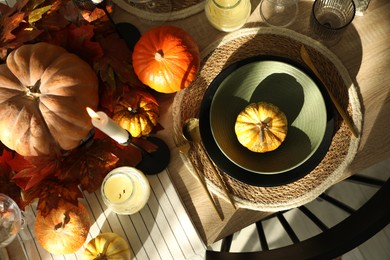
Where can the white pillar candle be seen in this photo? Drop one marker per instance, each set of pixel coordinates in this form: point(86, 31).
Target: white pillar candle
point(125, 190)
point(105, 124)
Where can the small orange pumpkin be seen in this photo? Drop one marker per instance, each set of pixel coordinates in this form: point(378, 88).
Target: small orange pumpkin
point(64, 230)
point(166, 58)
point(261, 127)
point(137, 111)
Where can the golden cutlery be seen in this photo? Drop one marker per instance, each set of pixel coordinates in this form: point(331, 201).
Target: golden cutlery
point(192, 134)
point(184, 149)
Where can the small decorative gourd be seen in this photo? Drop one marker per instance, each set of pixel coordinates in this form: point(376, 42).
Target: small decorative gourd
point(64, 230)
point(166, 58)
point(137, 112)
point(261, 127)
point(107, 246)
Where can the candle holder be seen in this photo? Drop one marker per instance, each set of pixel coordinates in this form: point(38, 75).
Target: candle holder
point(127, 31)
point(125, 190)
point(152, 162)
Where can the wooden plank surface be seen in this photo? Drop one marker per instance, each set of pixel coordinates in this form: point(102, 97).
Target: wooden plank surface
point(364, 52)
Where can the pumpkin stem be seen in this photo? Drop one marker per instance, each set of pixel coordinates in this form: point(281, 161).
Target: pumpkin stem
point(159, 55)
point(101, 257)
point(264, 126)
point(62, 224)
point(33, 91)
point(32, 94)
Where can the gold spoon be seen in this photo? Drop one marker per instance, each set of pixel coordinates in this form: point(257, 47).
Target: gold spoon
point(192, 134)
point(306, 58)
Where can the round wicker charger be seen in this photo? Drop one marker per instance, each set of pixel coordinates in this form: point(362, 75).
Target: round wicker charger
point(284, 43)
point(180, 9)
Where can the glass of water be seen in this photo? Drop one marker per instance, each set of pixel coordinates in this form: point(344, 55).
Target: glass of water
point(330, 18)
point(280, 13)
point(11, 220)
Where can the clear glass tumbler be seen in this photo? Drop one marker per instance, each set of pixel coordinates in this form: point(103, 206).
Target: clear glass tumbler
point(330, 18)
point(280, 13)
point(227, 15)
point(11, 220)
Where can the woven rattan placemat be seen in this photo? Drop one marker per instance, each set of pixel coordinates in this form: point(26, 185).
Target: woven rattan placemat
point(179, 9)
point(284, 43)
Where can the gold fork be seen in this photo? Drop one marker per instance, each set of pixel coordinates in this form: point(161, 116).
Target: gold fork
point(184, 149)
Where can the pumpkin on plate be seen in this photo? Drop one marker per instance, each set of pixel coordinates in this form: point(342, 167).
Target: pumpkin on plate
point(64, 230)
point(43, 94)
point(107, 246)
point(137, 111)
point(261, 127)
point(166, 58)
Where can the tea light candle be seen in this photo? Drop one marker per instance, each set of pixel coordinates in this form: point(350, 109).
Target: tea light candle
point(118, 188)
point(125, 190)
point(105, 124)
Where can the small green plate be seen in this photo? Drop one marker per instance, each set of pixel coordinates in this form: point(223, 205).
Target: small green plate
point(283, 85)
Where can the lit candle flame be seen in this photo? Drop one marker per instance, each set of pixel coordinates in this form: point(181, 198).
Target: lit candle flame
point(92, 113)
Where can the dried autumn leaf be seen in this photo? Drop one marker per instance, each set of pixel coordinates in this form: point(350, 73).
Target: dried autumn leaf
point(118, 56)
point(10, 23)
point(51, 192)
point(90, 166)
point(14, 29)
point(77, 39)
point(7, 186)
point(35, 170)
point(37, 14)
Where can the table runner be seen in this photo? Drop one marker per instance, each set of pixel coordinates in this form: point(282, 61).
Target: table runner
point(180, 9)
point(161, 230)
point(284, 43)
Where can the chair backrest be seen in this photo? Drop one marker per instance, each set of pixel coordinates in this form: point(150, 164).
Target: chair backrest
point(361, 225)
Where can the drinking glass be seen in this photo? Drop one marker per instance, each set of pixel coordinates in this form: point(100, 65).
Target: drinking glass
point(153, 11)
point(330, 18)
point(280, 13)
point(11, 220)
point(227, 15)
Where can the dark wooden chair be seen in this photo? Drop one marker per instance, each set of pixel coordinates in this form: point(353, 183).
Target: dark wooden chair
point(331, 242)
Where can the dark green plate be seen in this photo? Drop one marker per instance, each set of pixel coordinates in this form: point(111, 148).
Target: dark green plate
point(295, 91)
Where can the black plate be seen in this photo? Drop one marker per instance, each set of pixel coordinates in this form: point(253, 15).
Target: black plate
point(253, 178)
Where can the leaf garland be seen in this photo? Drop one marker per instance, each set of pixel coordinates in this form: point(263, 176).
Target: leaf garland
point(63, 176)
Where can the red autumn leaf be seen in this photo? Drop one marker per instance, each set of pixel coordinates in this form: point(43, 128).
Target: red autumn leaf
point(23, 34)
point(10, 23)
point(18, 163)
point(7, 186)
point(78, 41)
point(40, 168)
point(53, 22)
point(50, 192)
point(90, 166)
point(14, 29)
point(118, 56)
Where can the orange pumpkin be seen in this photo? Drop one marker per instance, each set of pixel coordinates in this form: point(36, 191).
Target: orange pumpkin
point(137, 111)
point(43, 94)
point(64, 230)
point(261, 127)
point(166, 58)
